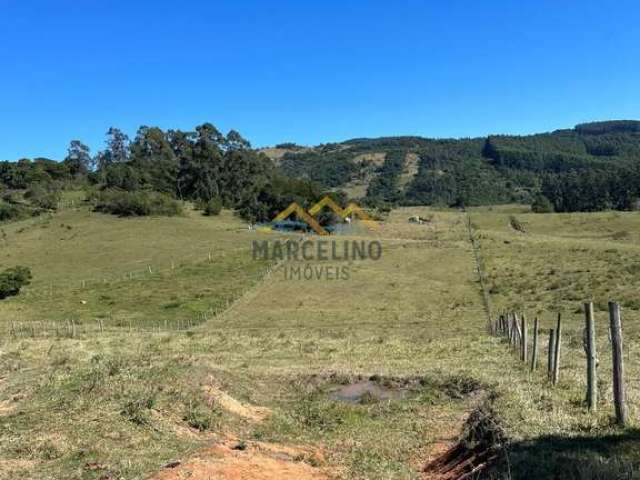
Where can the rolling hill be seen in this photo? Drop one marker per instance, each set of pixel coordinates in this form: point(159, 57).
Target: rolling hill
point(476, 171)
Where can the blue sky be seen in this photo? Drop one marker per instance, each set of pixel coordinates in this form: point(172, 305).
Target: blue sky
point(311, 72)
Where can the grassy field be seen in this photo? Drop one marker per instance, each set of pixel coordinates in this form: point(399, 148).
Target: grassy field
point(273, 369)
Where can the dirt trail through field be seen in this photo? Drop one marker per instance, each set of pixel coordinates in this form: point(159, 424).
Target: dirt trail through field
point(233, 460)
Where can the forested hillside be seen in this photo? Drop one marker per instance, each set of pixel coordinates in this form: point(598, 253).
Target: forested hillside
point(594, 166)
point(153, 173)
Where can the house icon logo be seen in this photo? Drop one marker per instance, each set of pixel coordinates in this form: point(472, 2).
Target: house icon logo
point(351, 211)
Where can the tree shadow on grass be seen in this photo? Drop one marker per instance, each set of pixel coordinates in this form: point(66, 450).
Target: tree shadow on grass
point(613, 456)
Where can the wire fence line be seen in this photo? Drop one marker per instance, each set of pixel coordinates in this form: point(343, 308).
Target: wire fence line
point(72, 327)
point(150, 268)
point(216, 317)
point(525, 339)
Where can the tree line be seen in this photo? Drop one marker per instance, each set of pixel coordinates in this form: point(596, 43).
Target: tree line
point(152, 172)
point(590, 167)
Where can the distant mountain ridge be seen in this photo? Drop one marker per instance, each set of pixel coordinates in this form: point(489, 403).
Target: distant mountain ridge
point(470, 171)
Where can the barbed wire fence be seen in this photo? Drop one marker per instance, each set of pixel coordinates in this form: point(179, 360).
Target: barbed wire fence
point(524, 338)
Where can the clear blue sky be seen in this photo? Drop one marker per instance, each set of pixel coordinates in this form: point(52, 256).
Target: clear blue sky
point(311, 71)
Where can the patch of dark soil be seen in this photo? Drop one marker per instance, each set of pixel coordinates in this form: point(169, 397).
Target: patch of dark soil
point(359, 389)
point(366, 391)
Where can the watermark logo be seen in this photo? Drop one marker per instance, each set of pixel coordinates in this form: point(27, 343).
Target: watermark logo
point(314, 259)
point(347, 214)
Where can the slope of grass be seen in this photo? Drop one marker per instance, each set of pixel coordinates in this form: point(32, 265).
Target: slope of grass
point(125, 403)
point(143, 272)
point(562, 261)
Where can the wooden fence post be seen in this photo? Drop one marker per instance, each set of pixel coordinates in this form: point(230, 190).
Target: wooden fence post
point(556, 352)
point(534, 349)
point(552, 342)
point(590, 347)
point(622, 414)
point(512, 330)
point(523, 345)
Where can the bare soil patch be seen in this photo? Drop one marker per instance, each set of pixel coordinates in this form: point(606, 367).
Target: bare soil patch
point(233, 460)
point(231, 405)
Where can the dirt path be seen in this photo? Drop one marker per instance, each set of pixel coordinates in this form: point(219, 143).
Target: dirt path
point(233, 460)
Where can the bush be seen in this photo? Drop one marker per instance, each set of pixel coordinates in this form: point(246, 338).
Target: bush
point(541, 204)
point(13, 279)
point(201, 417)
point(140, 203)
point(136, 410)
point(213, 207)
point(517, 224)
point(9, 212)
point(198, 419)
point(43, 195)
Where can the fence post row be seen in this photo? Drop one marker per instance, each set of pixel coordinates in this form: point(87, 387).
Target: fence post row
point(514, 330)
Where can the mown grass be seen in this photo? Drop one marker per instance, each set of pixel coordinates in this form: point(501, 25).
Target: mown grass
point(129, 402)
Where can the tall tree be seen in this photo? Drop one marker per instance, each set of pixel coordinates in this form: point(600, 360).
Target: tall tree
point(182, 147)
point(78, 159)
point(235, 141)
point(199, 173)
point(117, 149)
point(153, 155)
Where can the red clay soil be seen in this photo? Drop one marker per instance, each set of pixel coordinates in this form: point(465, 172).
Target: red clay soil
point(231, 460)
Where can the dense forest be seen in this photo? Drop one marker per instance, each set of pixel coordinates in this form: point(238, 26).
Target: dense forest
point(593, 166)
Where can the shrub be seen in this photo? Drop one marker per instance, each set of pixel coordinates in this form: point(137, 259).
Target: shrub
point(213, 207)
point(198, 419)
point(201, 417)
point(517, 224)
point(43, 195)
point(541, 204)
point(140, 203)
point(136, 410)
point(13, 279)
point(10, 211)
